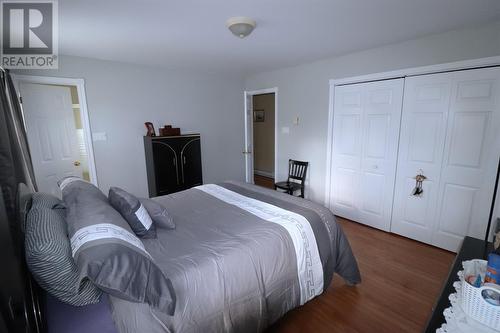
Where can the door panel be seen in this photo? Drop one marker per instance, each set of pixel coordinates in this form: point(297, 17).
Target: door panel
point(166, 168)
point(376, 136)
point(52, 135)
point(248, 149)
point(372, 200)
point(345, 189)
point(414, 206)
point(472, 149)
point(466, 150)
point(422, 141)
point(346, 158)
point(451, 131)
point(365, 136)
point(191, 172)
point(348, 139)
point(423, 132)
point(458, 215)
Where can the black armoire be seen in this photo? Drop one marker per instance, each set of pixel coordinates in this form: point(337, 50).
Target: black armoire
point(173, 163)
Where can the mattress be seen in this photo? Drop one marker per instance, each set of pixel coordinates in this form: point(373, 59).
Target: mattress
point(240, 257)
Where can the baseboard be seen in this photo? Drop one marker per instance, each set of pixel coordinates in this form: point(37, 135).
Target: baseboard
point(263, 173)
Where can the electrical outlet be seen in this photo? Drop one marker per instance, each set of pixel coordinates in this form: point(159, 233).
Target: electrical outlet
point(99, 136)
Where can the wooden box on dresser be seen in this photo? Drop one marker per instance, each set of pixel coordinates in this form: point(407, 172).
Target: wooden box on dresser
point(173, 163)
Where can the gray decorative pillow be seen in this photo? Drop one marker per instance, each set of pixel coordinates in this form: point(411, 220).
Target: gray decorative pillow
point(82, 184)
point(48, 255)
point(158, 213)
point(133, 212)
point(107, 252)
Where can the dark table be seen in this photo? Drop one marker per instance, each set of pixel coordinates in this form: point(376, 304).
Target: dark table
point(472, 248)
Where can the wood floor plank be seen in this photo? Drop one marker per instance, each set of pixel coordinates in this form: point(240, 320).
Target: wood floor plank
point(401, 281)
point(264, 181)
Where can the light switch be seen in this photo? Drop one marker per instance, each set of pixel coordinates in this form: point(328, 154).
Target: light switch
point(99, 136)
point(285, 130)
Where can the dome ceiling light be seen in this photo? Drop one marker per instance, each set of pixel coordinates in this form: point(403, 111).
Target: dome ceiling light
point(241, 26)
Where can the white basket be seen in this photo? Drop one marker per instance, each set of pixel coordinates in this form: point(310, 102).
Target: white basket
point(475, 306)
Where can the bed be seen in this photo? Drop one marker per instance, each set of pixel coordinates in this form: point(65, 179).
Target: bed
point(240, 257)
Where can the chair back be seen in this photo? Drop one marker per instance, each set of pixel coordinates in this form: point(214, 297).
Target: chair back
point(297, 171)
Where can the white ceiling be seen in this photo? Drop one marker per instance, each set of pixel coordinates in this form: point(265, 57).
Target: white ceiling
point(192, 33)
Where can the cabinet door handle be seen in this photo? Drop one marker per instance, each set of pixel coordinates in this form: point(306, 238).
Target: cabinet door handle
point(176, 170)
point(183, 157)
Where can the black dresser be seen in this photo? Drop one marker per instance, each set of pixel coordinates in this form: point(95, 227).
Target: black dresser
point(472, 248)
point(173, 163)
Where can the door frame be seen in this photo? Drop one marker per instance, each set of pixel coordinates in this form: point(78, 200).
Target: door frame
point(82, 99)
point(249, 129)
point(403, 73)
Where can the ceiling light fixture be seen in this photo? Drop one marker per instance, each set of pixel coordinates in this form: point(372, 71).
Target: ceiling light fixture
point(241, 26)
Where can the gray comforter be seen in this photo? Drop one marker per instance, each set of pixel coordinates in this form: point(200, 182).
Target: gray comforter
point(231, 270)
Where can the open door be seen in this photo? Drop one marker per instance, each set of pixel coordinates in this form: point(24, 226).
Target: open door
point(57, 133)
point(248, 149)
point(260, 151)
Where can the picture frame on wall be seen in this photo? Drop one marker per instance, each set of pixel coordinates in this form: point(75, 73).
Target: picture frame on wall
point(259, 116)
point(150, 129)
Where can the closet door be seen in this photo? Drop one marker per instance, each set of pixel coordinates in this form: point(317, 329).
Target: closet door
point(365, 138)
point(470, 158)
point(423, 133)
point(451, 131)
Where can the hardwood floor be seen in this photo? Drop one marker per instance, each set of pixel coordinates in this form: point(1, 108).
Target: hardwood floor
point(263, 181)
point(401, 281)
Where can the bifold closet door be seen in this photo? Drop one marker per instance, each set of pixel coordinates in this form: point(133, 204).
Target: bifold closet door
point(451, 131)
point(365, 140)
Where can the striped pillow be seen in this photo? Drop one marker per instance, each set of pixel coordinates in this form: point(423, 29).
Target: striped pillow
point(48, 255)
point(45, 200)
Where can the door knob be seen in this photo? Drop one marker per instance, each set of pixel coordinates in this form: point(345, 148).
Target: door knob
point(76, 163)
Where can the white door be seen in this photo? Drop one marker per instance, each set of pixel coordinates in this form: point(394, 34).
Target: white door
point(248, 149)
point(470, 158)
point(365, 140)
point(423, 133)
point(52, 136)
point(450, 130)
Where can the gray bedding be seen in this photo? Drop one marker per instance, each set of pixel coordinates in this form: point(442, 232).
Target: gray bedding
point(233, 271)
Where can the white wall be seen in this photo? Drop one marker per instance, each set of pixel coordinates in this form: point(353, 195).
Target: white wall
point(303, 90)
point(121, 97)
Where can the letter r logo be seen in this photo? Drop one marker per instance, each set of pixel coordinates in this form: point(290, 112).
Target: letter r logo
point(27, 27)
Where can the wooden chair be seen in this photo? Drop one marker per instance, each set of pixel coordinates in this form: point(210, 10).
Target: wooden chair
point(297, 171)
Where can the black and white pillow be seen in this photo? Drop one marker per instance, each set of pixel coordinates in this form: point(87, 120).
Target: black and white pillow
point(49, 257)
point(133, 212)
